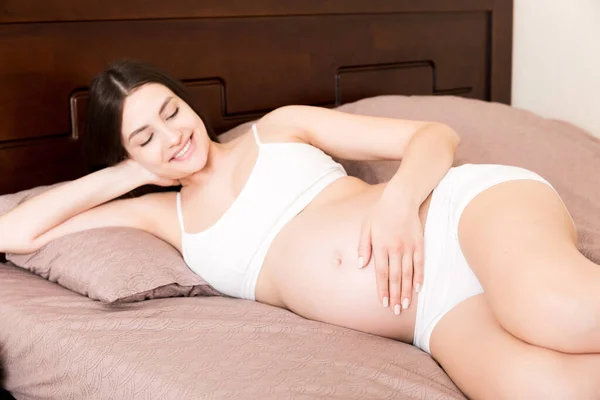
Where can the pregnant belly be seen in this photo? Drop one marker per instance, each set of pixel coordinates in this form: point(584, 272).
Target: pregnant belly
point(312, 269)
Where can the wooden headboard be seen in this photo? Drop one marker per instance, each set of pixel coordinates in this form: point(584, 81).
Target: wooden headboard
point(240, 59)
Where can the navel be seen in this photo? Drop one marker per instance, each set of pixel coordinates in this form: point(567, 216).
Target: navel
point(336, 259)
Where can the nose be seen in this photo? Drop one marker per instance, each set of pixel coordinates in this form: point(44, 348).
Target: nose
point(172, 136)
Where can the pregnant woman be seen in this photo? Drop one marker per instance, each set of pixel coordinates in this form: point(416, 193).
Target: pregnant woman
point(476, 265)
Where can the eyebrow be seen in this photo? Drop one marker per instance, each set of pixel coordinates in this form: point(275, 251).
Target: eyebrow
point(138, 130)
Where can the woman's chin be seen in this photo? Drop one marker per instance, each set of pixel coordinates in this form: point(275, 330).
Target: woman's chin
point(198, 162)
point(190, 170)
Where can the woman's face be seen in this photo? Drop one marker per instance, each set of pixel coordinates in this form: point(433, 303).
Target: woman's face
point(162, 133)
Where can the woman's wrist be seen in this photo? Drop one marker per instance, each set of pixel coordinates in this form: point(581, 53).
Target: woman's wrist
point(426, 161)
point(133, 173)
point(400, 195)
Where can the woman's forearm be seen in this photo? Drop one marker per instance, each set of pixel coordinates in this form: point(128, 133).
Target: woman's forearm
point(49, 209)
point(427, 158)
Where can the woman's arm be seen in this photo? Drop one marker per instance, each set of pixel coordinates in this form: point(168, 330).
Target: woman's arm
point(358, 137)
point(426, 148)
point(64, 209)
point(427, 157)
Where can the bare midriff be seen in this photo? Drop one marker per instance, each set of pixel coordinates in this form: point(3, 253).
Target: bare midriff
point(312, 265)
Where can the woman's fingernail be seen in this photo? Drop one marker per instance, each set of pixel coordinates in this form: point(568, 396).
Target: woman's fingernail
point(418, 287)
point(386, 302)
point(360, 262)
point(405, 303)
point(397, 309)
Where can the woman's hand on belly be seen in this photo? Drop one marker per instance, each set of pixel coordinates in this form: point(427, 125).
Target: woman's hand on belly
point(392, 234)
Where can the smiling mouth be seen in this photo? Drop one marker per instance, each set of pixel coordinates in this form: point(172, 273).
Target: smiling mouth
point(183, 152)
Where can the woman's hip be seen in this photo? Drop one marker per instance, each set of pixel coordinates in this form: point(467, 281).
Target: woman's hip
point(448, 277)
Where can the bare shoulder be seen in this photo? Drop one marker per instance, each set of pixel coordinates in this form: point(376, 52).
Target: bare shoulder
point(158, 215)
point(276, 127)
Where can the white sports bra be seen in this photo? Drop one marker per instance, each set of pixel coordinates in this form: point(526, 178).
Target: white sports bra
point(285, 179)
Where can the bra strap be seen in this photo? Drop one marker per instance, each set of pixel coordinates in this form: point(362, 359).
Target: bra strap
point(179, 214)
point(255, 131)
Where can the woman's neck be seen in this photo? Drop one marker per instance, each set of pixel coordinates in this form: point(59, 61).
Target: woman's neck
point(220, 158)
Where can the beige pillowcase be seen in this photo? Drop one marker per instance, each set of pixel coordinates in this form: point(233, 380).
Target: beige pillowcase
point(110, 264)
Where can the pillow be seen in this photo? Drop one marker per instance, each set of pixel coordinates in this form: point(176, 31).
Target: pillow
point(110, 264)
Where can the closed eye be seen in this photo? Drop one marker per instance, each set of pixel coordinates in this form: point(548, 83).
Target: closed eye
point(174, 113)
point(147, 141)
point(152, 134)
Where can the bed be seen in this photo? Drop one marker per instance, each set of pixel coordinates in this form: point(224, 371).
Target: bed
point(62, 336)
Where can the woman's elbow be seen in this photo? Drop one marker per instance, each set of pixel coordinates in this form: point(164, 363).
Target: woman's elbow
point(449, 134)
point(12, 242)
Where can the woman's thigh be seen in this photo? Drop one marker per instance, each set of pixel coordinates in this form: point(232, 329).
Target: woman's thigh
point(486, 362)
point(520, 242)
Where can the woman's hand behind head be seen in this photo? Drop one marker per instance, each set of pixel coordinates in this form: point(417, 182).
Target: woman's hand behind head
point(146, 176)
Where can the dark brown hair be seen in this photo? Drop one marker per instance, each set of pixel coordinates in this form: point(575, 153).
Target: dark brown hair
point(103, 144)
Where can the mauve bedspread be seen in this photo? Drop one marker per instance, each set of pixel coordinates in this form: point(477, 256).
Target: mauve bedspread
point(60, 345)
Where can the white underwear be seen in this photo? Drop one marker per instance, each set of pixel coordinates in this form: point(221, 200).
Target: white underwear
point(448, 279)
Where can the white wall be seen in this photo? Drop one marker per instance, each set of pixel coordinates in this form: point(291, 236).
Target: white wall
point(556, 60)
